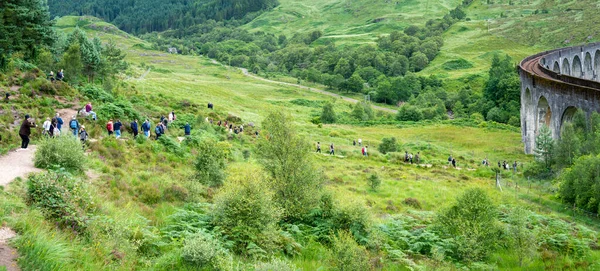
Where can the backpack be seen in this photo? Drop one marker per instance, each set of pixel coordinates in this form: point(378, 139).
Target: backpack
point(73, 124)
point(157, 130)
point(108, 126)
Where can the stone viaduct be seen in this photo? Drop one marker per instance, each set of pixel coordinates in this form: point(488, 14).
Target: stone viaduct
point(554, 84)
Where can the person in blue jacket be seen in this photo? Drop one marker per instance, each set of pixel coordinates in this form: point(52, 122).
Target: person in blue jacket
point(134, 128)
point(59, 122)
point(74, 125)
point(187, 129)
point(146, 128)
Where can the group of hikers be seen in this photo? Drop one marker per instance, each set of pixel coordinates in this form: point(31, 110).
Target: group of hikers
point(408, 158)
point(59, 76)
point(364, 150)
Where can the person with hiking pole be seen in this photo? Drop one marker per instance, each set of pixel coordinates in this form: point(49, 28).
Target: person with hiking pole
point(25, 131)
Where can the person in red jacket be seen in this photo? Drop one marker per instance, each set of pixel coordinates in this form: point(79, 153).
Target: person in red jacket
point(110, 127)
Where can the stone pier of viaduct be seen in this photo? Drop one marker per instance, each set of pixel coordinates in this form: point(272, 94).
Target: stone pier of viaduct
point(554, 84)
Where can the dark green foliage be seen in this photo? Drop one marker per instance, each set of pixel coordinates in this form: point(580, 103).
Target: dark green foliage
point(210, 164)
point(63, 152)
point(457, 64)
point(61, 197)
point(24, 26)
point(388, 145)
point(472, 222)
point(348, 255)
point(245, 211)
point(409, 113)
point(503, 88)
point(328, 115)
point(285, 157)
point(544, 147)
point(567, 148)
point(374, 181)
point(579, 185)
point(171, 145)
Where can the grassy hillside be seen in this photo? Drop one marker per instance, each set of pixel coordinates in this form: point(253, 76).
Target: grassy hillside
point(139, 187)
point(349, 21)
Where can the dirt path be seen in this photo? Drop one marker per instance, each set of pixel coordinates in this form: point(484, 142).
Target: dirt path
point(8, 255)
point(245, 71)
point(17, 164)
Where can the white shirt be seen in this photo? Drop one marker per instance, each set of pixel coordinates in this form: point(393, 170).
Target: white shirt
point(46, 125)
point(170, 116)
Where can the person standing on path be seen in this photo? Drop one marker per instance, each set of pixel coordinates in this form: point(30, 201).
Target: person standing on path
point(353, 142)
point(454, 162)
point(187, 129)
point(46, 125)
point(146, 128)
point(74, 125)
point(110, 127)
point(117, 127)
point(319, 147)
point(331, 150)
point(134, 128)
point(83, 135)
point(25, 131)
point(158, 130)
point(515, 166)
point(450, 160)
point(59, 122)
point(359, 142)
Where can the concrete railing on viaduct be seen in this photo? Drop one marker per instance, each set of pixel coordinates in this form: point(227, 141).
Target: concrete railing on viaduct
point(554, 84)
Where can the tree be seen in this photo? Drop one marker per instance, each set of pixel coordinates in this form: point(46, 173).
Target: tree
point(579, 184)
point(472, 223)
point(113, 60)
point(567, 148)
point(286, 158)
point(409, 112)
point(355, 83)
point(522, 238)
point(210, 164)
point(388, 145)
point(72, 64)
point(343, 68)
point(24, 26)
point(328, 115)
point(544, 147)
point(418, 61)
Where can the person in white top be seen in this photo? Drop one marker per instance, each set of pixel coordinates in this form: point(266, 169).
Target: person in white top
point(359, 142)
point(46, 126)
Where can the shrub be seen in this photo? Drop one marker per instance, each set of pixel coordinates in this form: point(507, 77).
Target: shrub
point(275, 264)
point(61, 197)
point(44, 86)
point(472, 222)
point(246, 213)
point(63, 151)
point(477, 117)
point(203, 250)
point(412, 202)
point(328, 115)
point(409, 113)
point(210, 164)
point(171, 144)
point(388, 145)
point(348, 255)
point(96, 93)
point(374, 181)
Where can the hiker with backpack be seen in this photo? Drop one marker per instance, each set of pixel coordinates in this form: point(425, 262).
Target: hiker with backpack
point(46, 125)
point(74, 125)
point(146, 128)
point(59, 122)
point(134, 128)
point(362, 151)
point(110, 127)
point(117, 127)
point(60, 76)
point(25, 131)
point(187, 129)
point(83, 135)
point(158, 130)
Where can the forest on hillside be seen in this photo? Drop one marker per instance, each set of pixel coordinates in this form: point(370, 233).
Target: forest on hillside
point(158, 15)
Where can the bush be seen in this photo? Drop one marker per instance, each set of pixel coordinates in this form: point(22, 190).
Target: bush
point(96, 93)
point(171, 144)
point(210, 164)
point(477, 117)
point(328, 115)
point(61, 197)
point(275, 264)
point(388, 145)
point(203, 250)
point(246, 213)
point(472, 222)
point(348, 255)
point(374, 181)
point(63, 151)
point(409, 113)
point(412, 202)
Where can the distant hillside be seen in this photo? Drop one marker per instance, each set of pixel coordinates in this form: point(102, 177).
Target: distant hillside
point(158, 15)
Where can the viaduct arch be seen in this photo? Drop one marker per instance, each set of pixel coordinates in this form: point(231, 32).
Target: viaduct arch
point(554, 84)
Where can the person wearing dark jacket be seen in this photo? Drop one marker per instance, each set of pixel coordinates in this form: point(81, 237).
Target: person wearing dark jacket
point(146, 128)
point(187, 129)
point(59, 121)
point(25, 131)
point(117, 127)
point(134, 128)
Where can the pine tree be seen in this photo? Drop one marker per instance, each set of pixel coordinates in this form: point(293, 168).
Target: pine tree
point(567, 148)
point(544, 146)
point(24, 26)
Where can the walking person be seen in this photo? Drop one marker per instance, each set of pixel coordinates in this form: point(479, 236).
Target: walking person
point(25, 131)
point(410, 157)
point(46, 125)
point(405, 156)
point(60, 76)
point(110, 127)
point(134, 128)
point(319, 147)
point(331, 150)
point(367, 151)
point(450, 160)
point(117, 127)
point(170, 116)
point(74, 125)
point(146, 128)
point(454, 162)
point(165, 124)
point(353, 142)
point(158, 130)
point(59, 122)
point(187, 129)
point(515, 166)
point(359, 142)
point(83, 135)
